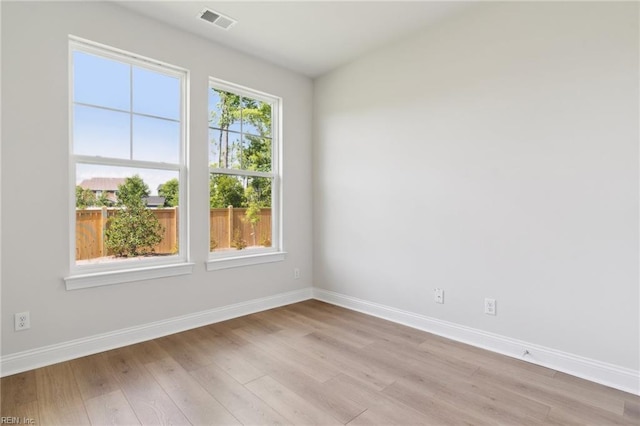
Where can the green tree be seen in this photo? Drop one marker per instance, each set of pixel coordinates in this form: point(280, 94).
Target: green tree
point(170, 191)
point(133, 192)
point(84, 198)
point(252, 214)
point(225, 191)
point(134, 230)
point(256, 156)
point(258, 191)
point(258, 114)
point(104, 201)
point(255, 118)
point(226, 113)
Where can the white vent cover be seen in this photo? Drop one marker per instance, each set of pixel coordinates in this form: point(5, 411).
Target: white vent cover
point(217, 19)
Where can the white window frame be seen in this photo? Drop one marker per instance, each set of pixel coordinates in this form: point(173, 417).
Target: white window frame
point(275, 253)
point(134, 269)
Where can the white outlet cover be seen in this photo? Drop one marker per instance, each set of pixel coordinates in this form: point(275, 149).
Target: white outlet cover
point(490, 306)
point(22, 321)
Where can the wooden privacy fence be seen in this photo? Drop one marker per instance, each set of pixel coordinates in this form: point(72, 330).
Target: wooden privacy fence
point(91, 224)
point(227, 226)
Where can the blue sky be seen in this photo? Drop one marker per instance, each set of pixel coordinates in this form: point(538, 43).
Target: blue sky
point(106, 127)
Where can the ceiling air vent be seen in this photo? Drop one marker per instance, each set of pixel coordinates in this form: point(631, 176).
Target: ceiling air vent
point(217, 19)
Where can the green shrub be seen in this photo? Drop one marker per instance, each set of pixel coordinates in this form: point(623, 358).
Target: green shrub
point(238, 242)
point(134, 230)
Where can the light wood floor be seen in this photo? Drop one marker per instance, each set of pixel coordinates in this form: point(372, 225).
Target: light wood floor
point(308, 363)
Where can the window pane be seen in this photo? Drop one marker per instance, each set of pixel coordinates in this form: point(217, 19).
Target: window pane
point(256, 154)
point(100, 132)
point(224, 110)
point(100, 81)
point(106, 231)
point(215, 148)
point(256, 117)
point(155, 139)
point(240, 212)
point(156, 94)
point(226, 190)
point(225, 149)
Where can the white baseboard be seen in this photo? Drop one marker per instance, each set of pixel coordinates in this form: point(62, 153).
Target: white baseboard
point(614, 376)
point(607, 374)
point(40, 357)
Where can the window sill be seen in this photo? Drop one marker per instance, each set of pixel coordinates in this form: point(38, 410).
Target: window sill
point(76, 282)
point(246, 260)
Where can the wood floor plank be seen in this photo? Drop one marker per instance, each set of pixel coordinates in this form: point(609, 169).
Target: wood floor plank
point(402, 360)
point(548, 389)
point(564, 406)
point(149, 401)
point(292, 406)
point(492, 405)
point(111, 409)
point(318, 369)
point(59, 399)
point(338, 362)
point(197, 404)
point(341, 407)
point(422, 397)
point(18, 389)
point(93, 376)
point(382, 329)
point(149, 351)
point(288, 325)
point(601, 396)
point(380, 416)
point(180, 348)
point(28, 413)
point(341, 329)
point(226, 328)
point(632, 409)
point(580, 414)
point(243, 404)
point(18, 397)
point(381, 408)
point(346, 360)
point(262, 327)
point(370, 417)
point(495, 396)
point(224, 351)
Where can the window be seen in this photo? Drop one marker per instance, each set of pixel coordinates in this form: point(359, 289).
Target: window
point(244, 177)
point(127, 147)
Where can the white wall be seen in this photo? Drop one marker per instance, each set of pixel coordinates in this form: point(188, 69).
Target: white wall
point(35, 238)
point(495, 155)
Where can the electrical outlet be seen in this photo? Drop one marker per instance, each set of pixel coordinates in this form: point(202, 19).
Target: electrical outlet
point(490, 306)
point(296, 273)
point(22, 321)
point(438, 295)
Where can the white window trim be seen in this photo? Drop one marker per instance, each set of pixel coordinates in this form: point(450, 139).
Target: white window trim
point(76, 282)
point(136, 269)
point(255, 256)
point(245, 260)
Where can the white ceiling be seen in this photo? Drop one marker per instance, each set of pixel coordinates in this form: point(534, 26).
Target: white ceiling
point(310, 37)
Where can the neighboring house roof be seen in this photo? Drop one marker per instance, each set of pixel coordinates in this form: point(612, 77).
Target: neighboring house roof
point(102, 184)
point(154, 201)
